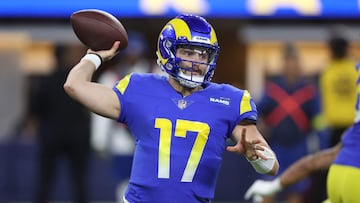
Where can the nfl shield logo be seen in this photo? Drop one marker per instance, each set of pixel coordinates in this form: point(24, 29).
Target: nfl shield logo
point(182, 104)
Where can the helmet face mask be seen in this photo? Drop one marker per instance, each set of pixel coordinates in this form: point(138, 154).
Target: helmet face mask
point(193, 33)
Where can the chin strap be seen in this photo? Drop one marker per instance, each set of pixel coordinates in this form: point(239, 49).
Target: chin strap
point(195, 81)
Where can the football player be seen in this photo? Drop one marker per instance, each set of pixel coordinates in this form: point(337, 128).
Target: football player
point(343, 159)
point(181, 121)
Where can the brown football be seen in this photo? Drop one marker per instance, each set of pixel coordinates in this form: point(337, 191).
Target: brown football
point(98, 29)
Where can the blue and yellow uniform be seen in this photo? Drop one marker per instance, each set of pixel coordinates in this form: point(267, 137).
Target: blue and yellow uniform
point(179, 140)
point(344, 174)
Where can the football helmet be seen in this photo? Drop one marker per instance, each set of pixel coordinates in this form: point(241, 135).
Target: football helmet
point(187, 30)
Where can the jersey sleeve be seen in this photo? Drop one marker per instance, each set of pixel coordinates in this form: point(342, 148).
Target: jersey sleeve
point(247, 108)
point(242, 109)
point(121, 88)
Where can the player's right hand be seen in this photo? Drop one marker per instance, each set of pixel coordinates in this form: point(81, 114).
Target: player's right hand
point(106, 55)
point(262, 188)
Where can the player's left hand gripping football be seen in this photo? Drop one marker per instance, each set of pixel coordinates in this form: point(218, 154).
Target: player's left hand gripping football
point(251, 149)
point(107, 55)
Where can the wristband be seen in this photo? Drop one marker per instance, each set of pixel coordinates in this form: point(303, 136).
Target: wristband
point(93, 58)
point(264, 166)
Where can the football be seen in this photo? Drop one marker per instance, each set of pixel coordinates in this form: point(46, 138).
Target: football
point(98, 29)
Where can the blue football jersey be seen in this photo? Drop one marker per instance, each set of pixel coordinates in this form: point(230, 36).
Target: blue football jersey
point(179, 140)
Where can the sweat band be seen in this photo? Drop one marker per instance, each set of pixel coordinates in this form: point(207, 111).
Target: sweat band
point(264, 166)
point(93, 58)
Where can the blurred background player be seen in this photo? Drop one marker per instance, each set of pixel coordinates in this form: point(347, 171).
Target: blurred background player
point(287, 109)
point(63, 131)
point(108, 136)
point(338, 85)
point(344, 161)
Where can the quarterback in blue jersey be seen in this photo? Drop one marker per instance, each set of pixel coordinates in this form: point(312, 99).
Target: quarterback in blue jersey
point(343, 159)
point(180, 122)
